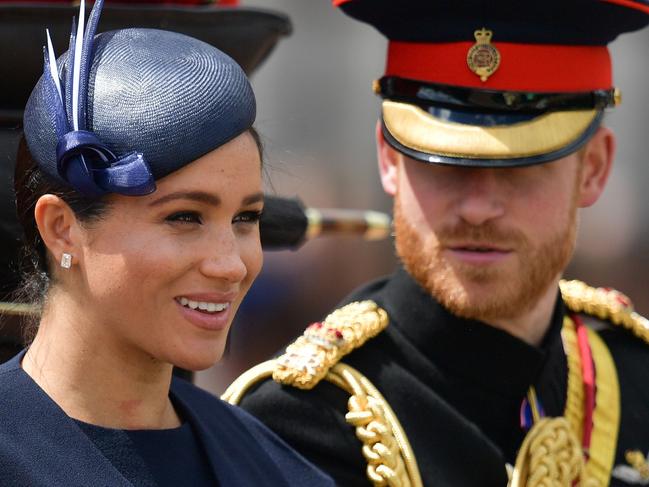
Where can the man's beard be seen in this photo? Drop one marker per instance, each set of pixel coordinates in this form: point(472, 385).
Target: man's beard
point(506, 292)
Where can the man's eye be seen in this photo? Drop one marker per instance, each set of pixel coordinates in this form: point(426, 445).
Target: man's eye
point(184, 217)
point(248, 217)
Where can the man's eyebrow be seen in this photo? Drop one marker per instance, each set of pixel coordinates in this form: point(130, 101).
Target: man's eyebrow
point(199, 196)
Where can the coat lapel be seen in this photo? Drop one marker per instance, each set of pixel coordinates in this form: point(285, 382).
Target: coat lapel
point(40, 444)
point(227, 442)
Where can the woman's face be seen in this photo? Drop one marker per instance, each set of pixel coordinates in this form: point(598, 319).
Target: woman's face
point(164, 274)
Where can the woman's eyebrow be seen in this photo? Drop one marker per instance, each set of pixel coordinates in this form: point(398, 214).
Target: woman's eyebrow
point(200, 196)
point(203, 197)
point(253, 198)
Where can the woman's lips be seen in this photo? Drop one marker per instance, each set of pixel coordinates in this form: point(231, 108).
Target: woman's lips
point(209, 312)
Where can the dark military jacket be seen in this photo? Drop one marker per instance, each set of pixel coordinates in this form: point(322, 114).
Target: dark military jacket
point(456, 386)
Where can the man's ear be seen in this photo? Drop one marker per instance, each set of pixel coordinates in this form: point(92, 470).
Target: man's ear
point(57, 226)
point(388, 162)
point(597, 161)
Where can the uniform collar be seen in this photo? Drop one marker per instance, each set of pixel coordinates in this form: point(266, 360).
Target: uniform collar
point(468, 350)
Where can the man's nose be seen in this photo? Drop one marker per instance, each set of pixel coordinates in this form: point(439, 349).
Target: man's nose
point(481, 197)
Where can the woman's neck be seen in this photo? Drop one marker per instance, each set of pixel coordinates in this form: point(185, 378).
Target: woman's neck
point(95, 379)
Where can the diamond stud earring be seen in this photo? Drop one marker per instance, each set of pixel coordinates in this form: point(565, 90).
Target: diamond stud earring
point(66, 260)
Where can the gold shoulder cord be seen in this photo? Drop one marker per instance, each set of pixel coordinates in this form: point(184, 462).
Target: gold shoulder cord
point(315, 356)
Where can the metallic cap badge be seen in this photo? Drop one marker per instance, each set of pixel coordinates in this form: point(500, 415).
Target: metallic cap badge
point(483, 58)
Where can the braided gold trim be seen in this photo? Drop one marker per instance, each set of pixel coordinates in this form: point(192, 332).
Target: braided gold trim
point(316, 355)
point(605, 304)
point(390, 459)
point(606, 417)
point(308, 359)
point(245, 381)
point(551, 453)
point(574, 411)
point(549, 456)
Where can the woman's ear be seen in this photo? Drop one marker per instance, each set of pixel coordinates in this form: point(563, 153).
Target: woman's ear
point(57, 226)
point(597, 160)
point(388, 162)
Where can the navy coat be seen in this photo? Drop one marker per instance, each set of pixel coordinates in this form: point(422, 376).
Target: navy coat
point(41, 446)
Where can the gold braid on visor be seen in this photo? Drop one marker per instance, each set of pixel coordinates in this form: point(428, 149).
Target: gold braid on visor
point(417, 129)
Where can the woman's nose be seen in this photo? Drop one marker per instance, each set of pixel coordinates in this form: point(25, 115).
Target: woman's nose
point(222, 259)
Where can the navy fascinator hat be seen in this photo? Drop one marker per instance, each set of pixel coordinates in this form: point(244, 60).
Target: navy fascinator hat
point(124, 108)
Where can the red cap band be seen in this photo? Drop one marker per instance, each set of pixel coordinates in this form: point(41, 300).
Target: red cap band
point(523, 67)
point(631, 4)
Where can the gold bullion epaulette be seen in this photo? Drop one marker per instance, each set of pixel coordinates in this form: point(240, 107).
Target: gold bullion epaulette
point(605, 304)
point(308, 359)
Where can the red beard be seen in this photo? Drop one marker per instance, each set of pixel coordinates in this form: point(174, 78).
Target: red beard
point(484, 293)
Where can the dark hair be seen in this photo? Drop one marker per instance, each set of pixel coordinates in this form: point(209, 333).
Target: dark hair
point(30, 183)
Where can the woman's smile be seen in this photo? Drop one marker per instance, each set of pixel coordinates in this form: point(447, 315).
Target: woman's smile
point(209, 311)
point(207, 320)
point(205, 306)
